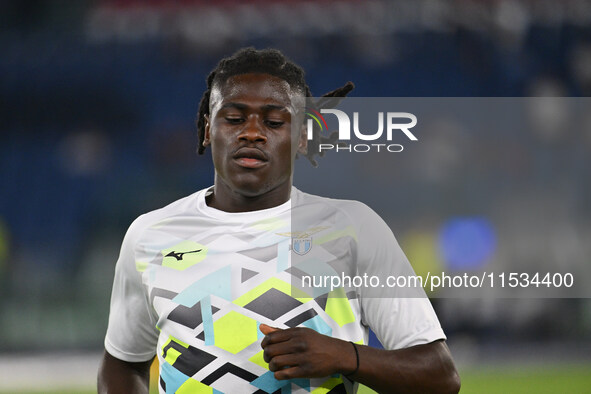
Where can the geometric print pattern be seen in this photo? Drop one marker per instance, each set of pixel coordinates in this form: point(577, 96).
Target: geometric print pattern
point(211, 292)
point(195, 283)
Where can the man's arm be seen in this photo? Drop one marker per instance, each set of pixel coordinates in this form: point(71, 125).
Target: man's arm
point(304, 353)
point(116, 376)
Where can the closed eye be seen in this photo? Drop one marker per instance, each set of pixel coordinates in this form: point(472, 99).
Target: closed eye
point(234, 120)
point(274, 124)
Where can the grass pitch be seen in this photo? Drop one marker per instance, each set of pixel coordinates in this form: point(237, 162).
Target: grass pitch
point(517, 379)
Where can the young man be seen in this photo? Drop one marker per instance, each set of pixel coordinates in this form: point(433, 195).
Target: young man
point(207, 283)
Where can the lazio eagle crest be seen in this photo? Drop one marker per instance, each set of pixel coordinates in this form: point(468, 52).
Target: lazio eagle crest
point(301, 241)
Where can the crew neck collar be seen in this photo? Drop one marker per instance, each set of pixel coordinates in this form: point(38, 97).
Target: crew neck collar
point(219, 214)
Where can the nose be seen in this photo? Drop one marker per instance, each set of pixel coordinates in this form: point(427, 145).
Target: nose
point(252, 131)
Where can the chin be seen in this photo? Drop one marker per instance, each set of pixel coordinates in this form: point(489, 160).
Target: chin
point(251, 190)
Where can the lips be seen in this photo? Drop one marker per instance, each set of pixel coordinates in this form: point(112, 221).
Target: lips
point(250, 157)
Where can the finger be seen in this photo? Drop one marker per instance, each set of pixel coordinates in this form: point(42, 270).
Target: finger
point(282, 362)
point(265, 329)
point(278, 349)
point(289, 373)
point(277, 336)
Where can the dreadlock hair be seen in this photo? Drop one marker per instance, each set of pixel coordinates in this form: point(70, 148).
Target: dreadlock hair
point(272, 62)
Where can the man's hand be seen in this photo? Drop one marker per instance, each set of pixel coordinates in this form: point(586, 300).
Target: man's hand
point(304, 353)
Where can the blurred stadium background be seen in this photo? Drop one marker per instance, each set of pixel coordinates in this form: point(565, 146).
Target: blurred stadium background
point(97, 102)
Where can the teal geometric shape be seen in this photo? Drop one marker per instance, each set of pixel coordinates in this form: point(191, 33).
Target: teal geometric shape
point(317, 324)
point(268, 383)
point(303, 383)
point(217, 283)
point(207, 318)
point(260, 335)
point(282, 255)
point(173, 378)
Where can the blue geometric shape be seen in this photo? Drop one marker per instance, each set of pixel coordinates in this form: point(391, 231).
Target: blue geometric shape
point(217, 283)
point(317, 324)
point(286, 389)
point(207, 321)
point(303, 383)
point(173, 378)
point(282, 256)
point(260, 335)
point(268, 383)
point(374, 341)
point(467, 242)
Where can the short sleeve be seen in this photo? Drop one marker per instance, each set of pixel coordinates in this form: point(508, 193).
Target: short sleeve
point(131, 334)
point(400, 317)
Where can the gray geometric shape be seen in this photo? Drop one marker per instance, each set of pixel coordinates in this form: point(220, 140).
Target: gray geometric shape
point(244, 237)
point(156, 292)
point(157, 260)
point(302, 317)
point(294, 271)
point(209, 238)
point(265, 254)
point(272, 304)
point(246, 275)
point(322, 300)
point(189, 317)
point(191, 360)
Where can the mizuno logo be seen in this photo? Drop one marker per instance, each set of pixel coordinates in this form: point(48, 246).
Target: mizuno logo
point(179, 255)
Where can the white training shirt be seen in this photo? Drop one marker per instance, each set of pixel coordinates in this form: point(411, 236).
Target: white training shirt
point(193, 283)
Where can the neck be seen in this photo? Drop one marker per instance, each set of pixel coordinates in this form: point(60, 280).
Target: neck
point(227, 200)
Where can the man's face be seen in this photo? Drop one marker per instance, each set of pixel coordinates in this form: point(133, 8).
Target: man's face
point(253, 133)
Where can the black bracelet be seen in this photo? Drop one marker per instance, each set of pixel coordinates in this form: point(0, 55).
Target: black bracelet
point(357, 356)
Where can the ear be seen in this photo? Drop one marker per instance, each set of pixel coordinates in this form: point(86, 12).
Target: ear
point(206, 137)
point(303, 142)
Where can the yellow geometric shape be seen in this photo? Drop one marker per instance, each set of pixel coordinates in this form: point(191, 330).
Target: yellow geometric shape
point(269, 224)
point(183, 255)
point(172, 355)
point(140, 266)
point(233, 332)
point(192, 386)
point(275, 283)
point(347, 231)
point(304, 234)
point(259, 360)
point(365, 390)
point(327, 385)
point(172, 339)
point(183, 344)
point(338, 307)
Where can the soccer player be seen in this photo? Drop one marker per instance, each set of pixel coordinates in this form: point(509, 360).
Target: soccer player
point(208, 283)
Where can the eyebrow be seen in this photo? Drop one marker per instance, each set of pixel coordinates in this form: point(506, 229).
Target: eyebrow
point(266, 107)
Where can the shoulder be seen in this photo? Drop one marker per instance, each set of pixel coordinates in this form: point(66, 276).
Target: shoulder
point(356, 211)
point(181, 207)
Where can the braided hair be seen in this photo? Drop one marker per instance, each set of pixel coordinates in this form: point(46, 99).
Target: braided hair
point(272, 62)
